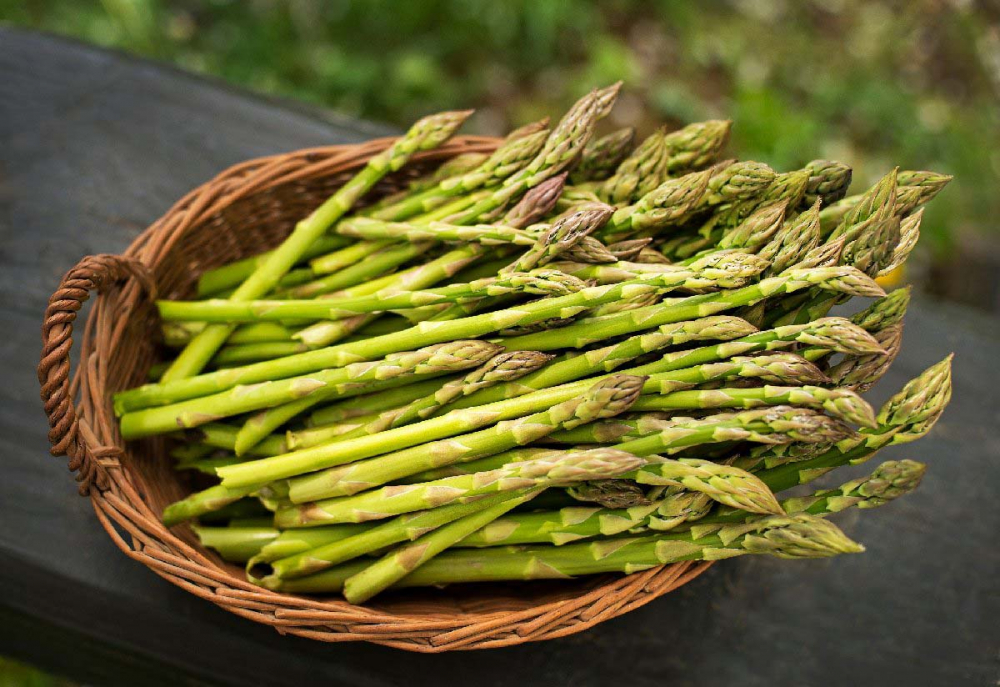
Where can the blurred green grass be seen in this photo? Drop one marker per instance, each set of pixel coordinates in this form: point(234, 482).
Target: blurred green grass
point(875, 84)
point(14, 674)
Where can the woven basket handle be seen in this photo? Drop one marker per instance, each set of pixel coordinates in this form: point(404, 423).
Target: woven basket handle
point(92, 273)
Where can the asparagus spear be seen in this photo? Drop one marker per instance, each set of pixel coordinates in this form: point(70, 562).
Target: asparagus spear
point(611, 357)
point(877, 203)
point(828, 182)
point(233, 274)
point(722, 483)
point(602, 156)
point(427, 133)
point(345, 381)
point(607, 398)
point(864, 371)
point(909, 234)
point(783, 536)
point(749, 265)
point(889, 481)
point(512, 155)
point(775, 368)
point(774, 425)
point(487, 234)
point(837, 278)
point(399, 563)
point(538, 282)
point(585, 332)
point(696, 145)
point(452, 167)
point(651, 256)
point(905, 417)
point(925, 185)
point(552, 469)
point(406, 527)
point(561, 236)
point(639, 173)
point(377, 402)
point(628, 250)
point(792, 242)
point(917, 188)
point(290, 542)
point(236, 544)
point(840, 279)
point(560, 150)
point(611, 493)
point(503, 367)
point(841, 403)
point(589, 250)
point(666, 203)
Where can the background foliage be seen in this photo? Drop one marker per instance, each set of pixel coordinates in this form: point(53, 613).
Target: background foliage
point(909, 82)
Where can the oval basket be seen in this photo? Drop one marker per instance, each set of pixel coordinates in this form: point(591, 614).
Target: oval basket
point(249, 208)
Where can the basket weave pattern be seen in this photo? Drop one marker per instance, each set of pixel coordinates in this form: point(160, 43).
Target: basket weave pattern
point(249, 208)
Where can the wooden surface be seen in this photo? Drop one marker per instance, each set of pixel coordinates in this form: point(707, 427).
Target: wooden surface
point(94, 146)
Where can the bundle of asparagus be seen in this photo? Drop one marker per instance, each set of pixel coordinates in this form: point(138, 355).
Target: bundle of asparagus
point(569, 357)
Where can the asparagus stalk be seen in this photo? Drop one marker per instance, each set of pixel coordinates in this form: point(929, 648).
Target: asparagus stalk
point(374, 403)
point(696, 145)
point(233, 274)
point(515, 152)
point(501, 368)
point(326, 384)
point(561, 149)
point(586, 332)
point(793, 242)
point(487, 234)
point(399, 563)
point(320, 457)
point(864, 371)
point(426, 134)
point(665, 204)
point(589, 250)
point(601, 157)
point(628, 250)
point(783, 536)
point(905, 417)
point(828, 182)
point(841, 403)
point(539, 282)
point(236, 544)
point(909, 234)
point(839, 279)
point(722, 483)
point(561, 236)
point(611, 357)
point(776, 368)
point(573, 523)
point(607, 398)
point(774, 425)
point(639, 173)
point(612, 493)
point(914, 189)
point(626, 271)
point(552, 469)
point(291, 542)
point(269, 572)
point(889, 481)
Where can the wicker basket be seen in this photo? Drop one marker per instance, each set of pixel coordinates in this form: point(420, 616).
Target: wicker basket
point(246, 209)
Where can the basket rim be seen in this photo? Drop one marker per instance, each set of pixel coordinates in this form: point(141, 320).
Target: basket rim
point(95, 448)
